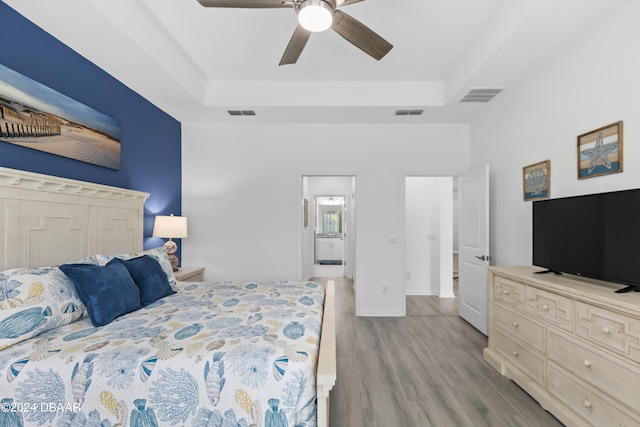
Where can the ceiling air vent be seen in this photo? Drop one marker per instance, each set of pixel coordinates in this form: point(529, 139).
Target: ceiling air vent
point(409, 112)
point(480, 95)
point(241, 112)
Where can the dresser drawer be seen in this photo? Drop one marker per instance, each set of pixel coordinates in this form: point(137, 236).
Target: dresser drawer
point(612, 375)
point(508, 291)
point(527, 360)
point(594, 407)
point(613, 331)
point(519, 326)
point(553, 308)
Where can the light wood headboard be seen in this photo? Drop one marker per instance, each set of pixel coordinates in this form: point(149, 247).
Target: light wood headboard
point(46, 220)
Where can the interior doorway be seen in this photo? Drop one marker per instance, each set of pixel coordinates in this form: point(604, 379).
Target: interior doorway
point(328, 236)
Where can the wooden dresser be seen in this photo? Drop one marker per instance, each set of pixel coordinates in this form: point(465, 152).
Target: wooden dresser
point(570, 342)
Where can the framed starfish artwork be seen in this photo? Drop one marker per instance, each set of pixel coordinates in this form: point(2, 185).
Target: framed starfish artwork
point(600, 151)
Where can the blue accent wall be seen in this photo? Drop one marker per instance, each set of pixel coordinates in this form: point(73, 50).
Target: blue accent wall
point(151, 139)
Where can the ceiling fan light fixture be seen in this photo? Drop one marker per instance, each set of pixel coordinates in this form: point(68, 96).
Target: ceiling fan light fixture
point(315, 15)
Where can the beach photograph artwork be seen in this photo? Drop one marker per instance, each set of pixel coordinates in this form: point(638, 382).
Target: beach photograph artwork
point(35, 116)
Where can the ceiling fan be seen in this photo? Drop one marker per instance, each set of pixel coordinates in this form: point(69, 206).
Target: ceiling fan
point(315, 16)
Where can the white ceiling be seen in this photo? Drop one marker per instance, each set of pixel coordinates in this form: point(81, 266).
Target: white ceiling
point(196, 63)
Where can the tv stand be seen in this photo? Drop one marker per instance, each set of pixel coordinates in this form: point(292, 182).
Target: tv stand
point(570, 342)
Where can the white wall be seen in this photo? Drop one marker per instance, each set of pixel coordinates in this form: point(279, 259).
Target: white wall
point(445, 236)
point(429, 236)
point(242, 186)
point(594, 83)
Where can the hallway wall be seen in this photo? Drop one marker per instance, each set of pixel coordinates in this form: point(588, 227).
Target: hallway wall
point(242, 187)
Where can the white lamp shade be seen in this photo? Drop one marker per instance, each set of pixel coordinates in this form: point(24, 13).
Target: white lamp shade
point(315, 15)
point(174, 227)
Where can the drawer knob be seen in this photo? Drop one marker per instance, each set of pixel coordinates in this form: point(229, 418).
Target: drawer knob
point(505, 292)
point(545, 307)
point(515, 353)
point(605, 330)
point(587, 404)
point(515, 324)
point(586, 363)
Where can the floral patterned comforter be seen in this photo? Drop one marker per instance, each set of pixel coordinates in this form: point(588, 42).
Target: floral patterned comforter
point(214, 354)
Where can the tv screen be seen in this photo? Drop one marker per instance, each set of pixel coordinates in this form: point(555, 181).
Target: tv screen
point(596, 236)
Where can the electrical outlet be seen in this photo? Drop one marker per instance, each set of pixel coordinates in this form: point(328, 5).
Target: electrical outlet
point(385, 290)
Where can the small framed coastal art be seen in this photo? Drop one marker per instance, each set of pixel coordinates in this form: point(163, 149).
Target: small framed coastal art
point(600, 151)
point(536, 181)
point(305, 207)
point(35, 116)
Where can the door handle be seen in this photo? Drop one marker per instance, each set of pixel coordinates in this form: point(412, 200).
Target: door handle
point(483, 258)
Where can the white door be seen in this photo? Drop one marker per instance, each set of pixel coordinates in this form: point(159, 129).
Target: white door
point(473, 246)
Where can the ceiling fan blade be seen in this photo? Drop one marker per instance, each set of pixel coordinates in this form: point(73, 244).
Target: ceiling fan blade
point(296, 45)
point(361, 36)
point(242, 3)
point(348, 2)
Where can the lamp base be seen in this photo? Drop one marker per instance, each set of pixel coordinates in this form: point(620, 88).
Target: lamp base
point(174, 261)
point(171, 247)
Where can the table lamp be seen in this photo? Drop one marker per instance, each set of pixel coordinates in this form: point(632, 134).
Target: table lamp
point(170, 227)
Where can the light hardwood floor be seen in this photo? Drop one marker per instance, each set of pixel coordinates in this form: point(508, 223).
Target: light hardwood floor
point(425, 369)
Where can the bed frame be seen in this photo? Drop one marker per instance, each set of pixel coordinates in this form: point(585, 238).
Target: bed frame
point(326, 374)
point(46, 220)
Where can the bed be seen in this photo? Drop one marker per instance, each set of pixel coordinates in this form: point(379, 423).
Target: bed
point(203, 354)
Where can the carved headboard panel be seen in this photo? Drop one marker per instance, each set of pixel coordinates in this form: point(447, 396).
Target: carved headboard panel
point(46, 220)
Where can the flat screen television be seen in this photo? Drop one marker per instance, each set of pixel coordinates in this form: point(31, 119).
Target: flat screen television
point(595, 236)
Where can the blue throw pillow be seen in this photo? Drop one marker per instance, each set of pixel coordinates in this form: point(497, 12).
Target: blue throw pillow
point(107, 291)
point(149, 276)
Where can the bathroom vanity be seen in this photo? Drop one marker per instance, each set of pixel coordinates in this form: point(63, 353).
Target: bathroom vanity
point(329, 249)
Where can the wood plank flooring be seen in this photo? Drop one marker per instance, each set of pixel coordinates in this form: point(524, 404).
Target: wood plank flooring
point(422, 370)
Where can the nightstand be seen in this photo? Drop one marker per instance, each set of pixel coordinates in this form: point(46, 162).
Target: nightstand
point(189, 274)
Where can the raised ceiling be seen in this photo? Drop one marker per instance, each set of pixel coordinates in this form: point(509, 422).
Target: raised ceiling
point(197, 63)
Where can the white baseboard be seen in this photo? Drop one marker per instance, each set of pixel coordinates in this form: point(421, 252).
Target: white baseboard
point(376, 313)
point(421, 294)
point(447, 295)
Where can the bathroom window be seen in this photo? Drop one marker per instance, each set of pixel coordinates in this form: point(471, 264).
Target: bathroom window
point(331, 222)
